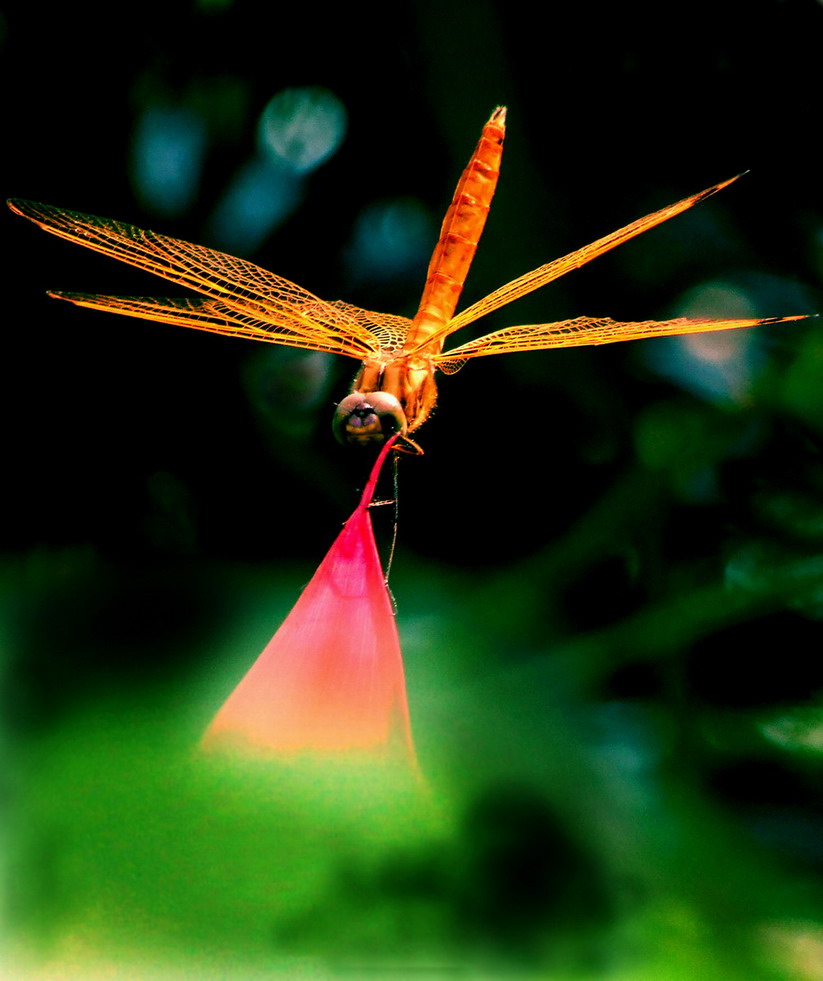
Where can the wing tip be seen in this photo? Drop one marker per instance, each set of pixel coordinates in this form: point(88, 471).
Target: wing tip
point(18, 206)
point(723, 184)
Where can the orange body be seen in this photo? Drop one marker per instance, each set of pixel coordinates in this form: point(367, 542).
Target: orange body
point(409, 377)
point(395, 390)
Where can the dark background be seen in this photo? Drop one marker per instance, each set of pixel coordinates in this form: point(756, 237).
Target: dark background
point(607, 556)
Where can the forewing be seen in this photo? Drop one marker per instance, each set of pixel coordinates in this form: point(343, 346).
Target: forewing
point(584, 331)
point(574, 260)
point(269, 301)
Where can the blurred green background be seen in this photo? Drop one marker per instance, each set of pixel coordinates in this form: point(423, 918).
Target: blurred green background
point(609, 577)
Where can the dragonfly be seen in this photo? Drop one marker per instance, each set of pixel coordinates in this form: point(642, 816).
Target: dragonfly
point(395, 389)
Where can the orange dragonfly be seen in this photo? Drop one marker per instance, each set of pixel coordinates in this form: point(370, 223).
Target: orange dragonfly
point(395, 389)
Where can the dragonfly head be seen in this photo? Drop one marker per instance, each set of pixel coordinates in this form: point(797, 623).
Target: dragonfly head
point(364, 419)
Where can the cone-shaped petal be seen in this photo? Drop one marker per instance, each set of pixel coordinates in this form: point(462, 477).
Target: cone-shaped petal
point(331, 679)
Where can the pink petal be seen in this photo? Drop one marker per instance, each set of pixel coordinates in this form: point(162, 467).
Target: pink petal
point(331, 679)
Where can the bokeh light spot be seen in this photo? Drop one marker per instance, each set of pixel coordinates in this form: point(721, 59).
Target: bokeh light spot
point(167, 159)
point(259, 198)
point(718, 367)
point(298, 130)
point(390, 239)
point(301, 128)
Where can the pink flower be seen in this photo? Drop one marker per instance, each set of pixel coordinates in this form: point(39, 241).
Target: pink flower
point(331, 679)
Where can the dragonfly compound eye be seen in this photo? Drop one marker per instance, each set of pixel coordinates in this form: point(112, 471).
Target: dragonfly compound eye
point(364, 419)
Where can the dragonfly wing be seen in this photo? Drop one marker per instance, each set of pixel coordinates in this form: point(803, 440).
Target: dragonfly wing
point(584, 331)
point(220, 318)
point(574, 260)
point(390, 329)
point(265, 297)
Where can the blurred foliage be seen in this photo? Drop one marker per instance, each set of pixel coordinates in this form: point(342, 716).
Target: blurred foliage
point(609, 576)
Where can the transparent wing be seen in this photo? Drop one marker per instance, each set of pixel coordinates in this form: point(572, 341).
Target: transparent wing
point(583, 331)
point(262, 300)
point(559, 267)
point(219, 317)
point(389, 329)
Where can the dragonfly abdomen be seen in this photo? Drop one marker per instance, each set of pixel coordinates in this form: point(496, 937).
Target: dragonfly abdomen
point(460, 233)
